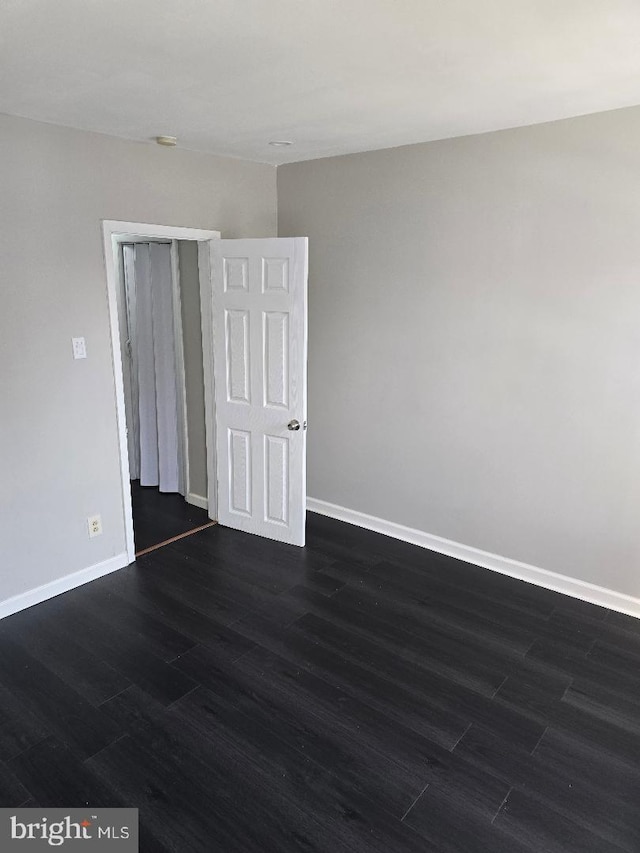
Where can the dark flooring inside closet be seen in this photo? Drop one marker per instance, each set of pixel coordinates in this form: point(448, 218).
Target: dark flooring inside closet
point(158, 517)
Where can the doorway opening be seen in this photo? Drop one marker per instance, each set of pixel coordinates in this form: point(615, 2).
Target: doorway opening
point(156, 277)
point(161, 346)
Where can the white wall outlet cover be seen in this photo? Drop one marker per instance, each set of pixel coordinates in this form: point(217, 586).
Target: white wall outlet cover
point(94, 522)
point(79, 347)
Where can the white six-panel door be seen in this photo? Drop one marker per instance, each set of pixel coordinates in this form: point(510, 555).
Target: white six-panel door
point(259, 311)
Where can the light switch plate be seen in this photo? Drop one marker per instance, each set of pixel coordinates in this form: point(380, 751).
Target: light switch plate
point(79, 347)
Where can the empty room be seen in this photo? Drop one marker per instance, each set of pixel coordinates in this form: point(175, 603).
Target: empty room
point(320, 426)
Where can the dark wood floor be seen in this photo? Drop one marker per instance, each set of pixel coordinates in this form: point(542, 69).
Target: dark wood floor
point(358, 695)
point(159, 516)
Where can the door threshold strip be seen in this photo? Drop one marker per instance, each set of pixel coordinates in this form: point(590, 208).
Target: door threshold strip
point(175, 538)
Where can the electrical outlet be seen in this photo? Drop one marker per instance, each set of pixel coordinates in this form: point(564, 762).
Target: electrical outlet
point(95, 525)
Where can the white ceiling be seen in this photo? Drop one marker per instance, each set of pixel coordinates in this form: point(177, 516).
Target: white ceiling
point(335, 76)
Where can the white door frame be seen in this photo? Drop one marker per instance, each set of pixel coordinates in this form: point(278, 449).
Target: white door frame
point(115, 232)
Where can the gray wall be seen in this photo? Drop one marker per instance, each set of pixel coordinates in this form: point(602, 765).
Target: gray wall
point(58, 439)
point(474, 330)
point(194, 373)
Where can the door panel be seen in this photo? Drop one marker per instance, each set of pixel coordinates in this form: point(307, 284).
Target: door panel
point(259, 309)
point(237, 340)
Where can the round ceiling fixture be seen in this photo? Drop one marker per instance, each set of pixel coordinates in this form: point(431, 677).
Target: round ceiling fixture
point(280, 143)
point(169, 141)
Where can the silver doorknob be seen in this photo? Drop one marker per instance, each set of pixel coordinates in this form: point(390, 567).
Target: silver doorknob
point(293, 425)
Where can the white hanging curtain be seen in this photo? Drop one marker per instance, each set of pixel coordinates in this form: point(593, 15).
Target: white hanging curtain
point(154, 452)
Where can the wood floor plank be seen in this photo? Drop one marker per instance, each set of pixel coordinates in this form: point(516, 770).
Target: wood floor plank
point(443, 727)
point(619, 711)
point(438, 822)
point(533, 691)
point(50, 768)
point(141, 582)
point(380, 616)
point(432, 689)
point(12, 792)
point(530, 822)
point(419, 757)
point(60, 709)
point(465, 589)
point(125, 650)
point(150, 633)
point(267, 564)
point(332, 798)
point(427, 574)
point(20, 727)
point(359, 765)
point(272, 754)
point(553, 776)
point(66, 657)
point(366, 637)
point(608, 776)
point(200, 586)
point(201, 629)
point(197, 791)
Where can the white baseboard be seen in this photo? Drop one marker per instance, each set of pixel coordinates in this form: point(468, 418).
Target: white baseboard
point(197, 500)
point(64, 584)
point(514, 568)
